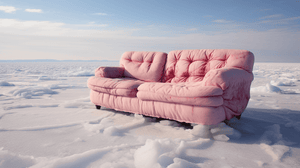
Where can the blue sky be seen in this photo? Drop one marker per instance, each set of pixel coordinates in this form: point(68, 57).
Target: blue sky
point(102, 29)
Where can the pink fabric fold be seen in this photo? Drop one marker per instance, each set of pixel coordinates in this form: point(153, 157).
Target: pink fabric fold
point(109, 72)
point(197, 101)
point(194, 89)
point(142, 65)
point(236, 85)
point(116, 86)
point(173, 111)
point(192, 65)
point(182, 93)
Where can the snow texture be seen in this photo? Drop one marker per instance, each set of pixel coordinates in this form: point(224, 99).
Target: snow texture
point(4, 83)
point(47, 120)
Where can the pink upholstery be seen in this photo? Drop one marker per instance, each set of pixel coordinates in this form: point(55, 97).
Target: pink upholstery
point(115, 86)
point(193, 86)
point(197, 101)
point(109, 72)
point(183, 93)
point(236, 85)
point(181, 89)
point(147, 66)
point(174, 111)
point(192, 65)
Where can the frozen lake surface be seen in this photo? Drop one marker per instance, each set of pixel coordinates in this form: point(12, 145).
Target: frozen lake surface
point(48, 121)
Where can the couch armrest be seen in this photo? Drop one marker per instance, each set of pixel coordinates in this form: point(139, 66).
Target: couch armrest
point(227, 77)
point(235, 84)
point(109, 72)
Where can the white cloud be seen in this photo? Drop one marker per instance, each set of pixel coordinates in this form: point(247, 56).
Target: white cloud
point(273, 19)
point(192, 29)
point(93, 24)
point(272, 16)
point(8, 9)
point(49, 39)
point(47, 28)
point(16, 24)
point(222, 21)
point(292, 18)
point(102, 14)
point(34, 10)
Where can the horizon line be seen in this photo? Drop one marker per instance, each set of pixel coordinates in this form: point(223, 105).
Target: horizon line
point(55, 60)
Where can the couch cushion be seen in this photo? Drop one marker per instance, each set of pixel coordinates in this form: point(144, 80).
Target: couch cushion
point(146, 66)
point(182, 93)
point(115, 86)
point(192, 65)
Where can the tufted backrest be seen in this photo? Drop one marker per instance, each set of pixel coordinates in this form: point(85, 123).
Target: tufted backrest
point(146, 66)
point(192, 65)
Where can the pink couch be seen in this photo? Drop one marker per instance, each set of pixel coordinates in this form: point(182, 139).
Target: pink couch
point(194, 86)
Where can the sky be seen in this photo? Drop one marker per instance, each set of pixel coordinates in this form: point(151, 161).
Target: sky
point(104, 29)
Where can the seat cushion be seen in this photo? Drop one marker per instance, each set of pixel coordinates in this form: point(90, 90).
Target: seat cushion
point(146, 66)
point(182, 93)
point(115, 86)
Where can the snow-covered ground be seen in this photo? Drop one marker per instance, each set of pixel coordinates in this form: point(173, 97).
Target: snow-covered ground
point(48, 121)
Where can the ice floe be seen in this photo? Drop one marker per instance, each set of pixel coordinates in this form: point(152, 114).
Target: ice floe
point(269, 88)
point(12, 160)
point(30, 92)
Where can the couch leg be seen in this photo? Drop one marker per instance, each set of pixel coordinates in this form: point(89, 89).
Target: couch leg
point(98, 107)
point(239, 117)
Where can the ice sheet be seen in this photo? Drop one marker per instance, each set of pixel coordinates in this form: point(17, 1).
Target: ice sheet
point(47, 120)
